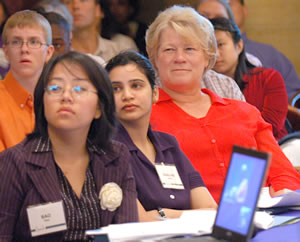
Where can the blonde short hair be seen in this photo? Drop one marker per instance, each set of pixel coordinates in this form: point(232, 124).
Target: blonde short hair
point(27, 18)
point(188, 23)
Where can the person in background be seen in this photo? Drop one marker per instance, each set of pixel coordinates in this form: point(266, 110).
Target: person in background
point(220, 8)
point(109, 29)
point(133, 81)
point(86, 34)
point(214, 9)
point(61, 33)
point(262, 87)
point(4, 65)
point(125, 13)
point(181, 46)
point(61, 22)
point(69, 158)
point(267, 54)
point(27, 44)
point(62, 36)
point(56, 6)
point(18, 5)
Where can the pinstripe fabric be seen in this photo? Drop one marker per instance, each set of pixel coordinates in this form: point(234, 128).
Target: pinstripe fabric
point(81, 213)
point(29, 177)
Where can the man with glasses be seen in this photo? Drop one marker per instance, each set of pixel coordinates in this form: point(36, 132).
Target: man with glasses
point(27, 46)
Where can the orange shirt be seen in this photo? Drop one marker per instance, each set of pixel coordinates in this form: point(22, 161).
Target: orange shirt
point(16, 112)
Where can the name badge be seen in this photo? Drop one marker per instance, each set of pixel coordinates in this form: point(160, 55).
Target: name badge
point(47, 218)
point(169, 176)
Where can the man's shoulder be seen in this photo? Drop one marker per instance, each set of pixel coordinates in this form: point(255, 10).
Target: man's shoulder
point(4, 93)
point(222, 85)
point(263, 50)
point(107, 43)
point(212, 75)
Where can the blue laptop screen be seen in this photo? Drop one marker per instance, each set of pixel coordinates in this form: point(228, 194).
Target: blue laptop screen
point(242, 186)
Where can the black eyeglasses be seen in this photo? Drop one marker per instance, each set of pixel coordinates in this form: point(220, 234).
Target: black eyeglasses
point(32, 44)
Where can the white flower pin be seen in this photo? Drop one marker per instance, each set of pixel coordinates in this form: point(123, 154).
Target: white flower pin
point(111, 196)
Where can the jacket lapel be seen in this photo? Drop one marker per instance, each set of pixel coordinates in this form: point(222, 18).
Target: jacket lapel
point(101, 176)
point(42, 172)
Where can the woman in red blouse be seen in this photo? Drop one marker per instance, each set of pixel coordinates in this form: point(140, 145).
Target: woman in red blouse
point(262, 87)
point(182, 47)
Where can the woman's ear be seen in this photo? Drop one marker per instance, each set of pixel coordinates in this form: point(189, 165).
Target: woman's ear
point(240, 46)
point(155, 94)
point(97, 113)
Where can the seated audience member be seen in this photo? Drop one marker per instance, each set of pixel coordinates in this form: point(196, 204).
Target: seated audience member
point(69, 158)
point(4, 66)
point(267, 54)
point(220, 8)
point(262, 87)
point(220, 84)
point(18, 5)
point(62, 34)
point(46, 6)
point(109, 29)
point(87, 17)
point(27, 46)
point(133, 81)
point(181, 46)
point(125, 13)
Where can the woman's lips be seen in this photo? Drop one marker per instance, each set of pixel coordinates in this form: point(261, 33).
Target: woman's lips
point(129, 107)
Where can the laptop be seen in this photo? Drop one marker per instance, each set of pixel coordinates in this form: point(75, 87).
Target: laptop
point(244, 179)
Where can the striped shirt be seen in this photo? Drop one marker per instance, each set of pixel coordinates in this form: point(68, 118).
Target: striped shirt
point(81, 213)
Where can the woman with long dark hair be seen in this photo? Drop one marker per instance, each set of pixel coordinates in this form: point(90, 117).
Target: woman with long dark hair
point(262, 87)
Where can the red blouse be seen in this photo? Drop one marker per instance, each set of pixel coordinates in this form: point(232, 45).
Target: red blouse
point(208, 141)
point(265, 89)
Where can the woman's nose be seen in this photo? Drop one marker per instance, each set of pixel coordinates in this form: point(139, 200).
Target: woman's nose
point(67, 95)
point(127, 93)
point(179, 56)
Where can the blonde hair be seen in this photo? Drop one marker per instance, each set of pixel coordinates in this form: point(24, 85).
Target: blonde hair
point(27, 18)
point(188, 23)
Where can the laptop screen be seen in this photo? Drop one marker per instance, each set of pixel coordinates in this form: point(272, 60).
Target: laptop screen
point(240, 191)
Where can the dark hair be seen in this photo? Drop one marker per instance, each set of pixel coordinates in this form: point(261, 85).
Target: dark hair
point(57, 19)
point(244, 65)
point(101, 129)
point(132, 57)
point(109, 24)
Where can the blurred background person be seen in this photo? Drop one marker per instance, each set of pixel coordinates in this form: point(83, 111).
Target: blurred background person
point(4, 65)
point(87, 30)
point(125, 13)
point(262, 87)
point(267, 54)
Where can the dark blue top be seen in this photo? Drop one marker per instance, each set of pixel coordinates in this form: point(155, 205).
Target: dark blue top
point(151, 194)
point(272, 58)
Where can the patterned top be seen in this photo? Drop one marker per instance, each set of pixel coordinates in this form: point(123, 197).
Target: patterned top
point(29, 177)
point(222, 85)
point(81, 213)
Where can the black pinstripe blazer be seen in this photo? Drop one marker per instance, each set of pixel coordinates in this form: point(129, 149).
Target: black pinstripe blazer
point(28, 177)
